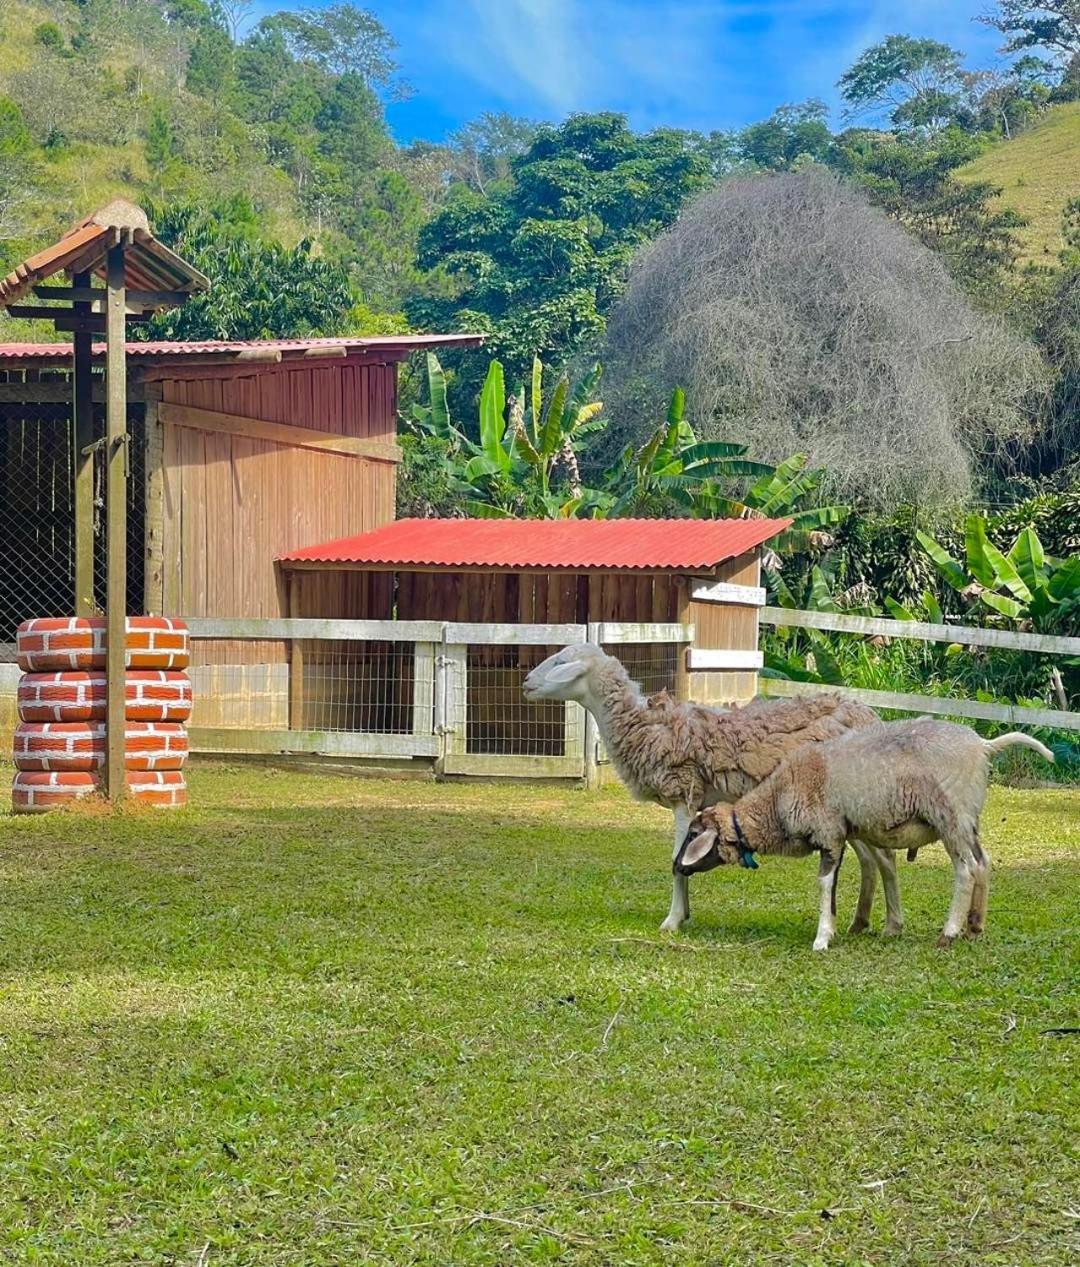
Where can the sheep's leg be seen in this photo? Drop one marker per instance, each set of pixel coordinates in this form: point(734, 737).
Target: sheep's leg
point(894, 910)
point(680, 884)
point(867, 886)
point(828, 873)
point(980, 893)
point(963, 890)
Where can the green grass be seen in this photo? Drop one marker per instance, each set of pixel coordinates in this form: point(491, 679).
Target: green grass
point(1039, 172)
point(319, 1021)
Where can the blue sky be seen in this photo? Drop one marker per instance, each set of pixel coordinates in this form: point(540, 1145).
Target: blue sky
point(688, 63)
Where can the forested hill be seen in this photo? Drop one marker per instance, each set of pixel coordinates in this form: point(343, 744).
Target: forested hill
point(153, 100)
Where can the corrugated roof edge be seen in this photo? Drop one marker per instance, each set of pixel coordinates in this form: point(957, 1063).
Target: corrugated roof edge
point(60, 354)
point(660, 545)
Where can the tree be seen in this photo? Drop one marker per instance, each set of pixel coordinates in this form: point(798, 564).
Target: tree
point(800, 319)
point(916, 82)
point(258, 289)
point(480, 153)
point(538, 262)
point(1054, 26)
point(340, 40)
point(790, 134)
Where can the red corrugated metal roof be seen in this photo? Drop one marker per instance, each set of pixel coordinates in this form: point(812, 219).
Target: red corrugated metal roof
point(60, 354)
point(572, 544)
point(148, 263)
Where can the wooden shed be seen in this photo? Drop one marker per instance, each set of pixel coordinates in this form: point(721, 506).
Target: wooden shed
point(237, 452)
point(676, 600)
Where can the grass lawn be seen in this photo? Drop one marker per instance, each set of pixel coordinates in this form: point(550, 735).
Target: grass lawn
point(320, 1021)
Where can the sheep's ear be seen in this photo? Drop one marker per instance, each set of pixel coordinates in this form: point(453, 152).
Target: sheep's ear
point(698, 849)
point(568, 672)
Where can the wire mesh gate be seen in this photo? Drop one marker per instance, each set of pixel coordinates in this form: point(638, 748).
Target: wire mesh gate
point(448, 693)
point(37, 509)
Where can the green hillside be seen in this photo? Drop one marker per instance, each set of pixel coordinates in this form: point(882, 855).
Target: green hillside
point(1038, 171)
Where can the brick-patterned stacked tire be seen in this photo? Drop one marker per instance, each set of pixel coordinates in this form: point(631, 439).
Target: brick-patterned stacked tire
point(60, 747)
point(150, 695)
point(80, 746)
point(37, 792)
point(78, 642)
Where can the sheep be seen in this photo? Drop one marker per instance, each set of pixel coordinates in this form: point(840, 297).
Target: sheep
point(899, 785)
point(686, 756)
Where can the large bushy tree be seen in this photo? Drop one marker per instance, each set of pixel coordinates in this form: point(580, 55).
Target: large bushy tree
point(799, 318)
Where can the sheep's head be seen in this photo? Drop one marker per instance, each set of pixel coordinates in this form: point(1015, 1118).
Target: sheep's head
point(712, 841)
point(563, 675)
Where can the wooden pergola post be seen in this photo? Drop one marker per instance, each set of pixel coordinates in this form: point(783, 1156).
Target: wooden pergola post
point(83, 410)
point(116, 455)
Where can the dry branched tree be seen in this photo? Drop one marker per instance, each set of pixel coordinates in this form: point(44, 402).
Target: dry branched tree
point(798, 318)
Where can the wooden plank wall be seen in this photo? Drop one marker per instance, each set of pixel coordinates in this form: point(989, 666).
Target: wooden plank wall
point(232, 503)
point(727, 627)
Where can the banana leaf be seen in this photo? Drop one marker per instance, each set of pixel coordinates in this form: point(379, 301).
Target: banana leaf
point(988, 565)
point(551, 434)
point(1064, 583)
point(943, 561)
point(1029, 559)
point(492, 417)
point(1004, 606)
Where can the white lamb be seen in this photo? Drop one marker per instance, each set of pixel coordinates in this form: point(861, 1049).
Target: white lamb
point(899, 785)
point(687, 756)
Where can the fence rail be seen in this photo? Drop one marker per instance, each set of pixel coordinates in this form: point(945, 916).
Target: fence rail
point(921, 631)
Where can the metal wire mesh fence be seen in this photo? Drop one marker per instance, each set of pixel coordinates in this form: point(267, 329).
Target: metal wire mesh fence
point(653, 665)
point(499, 719)
point(37, 504)
point(366, 687)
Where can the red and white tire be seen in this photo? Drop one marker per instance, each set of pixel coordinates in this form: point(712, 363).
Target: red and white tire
point(80, 746)
point(78, 642)
point(150, 695)
point(167, 789)
point(38, 792)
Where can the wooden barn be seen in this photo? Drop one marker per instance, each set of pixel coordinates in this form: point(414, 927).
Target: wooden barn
point(237, 452)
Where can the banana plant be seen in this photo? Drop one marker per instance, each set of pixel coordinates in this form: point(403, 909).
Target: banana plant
point(808, 655)
point(673, 466)
point(1025, 588)
point(544, 439)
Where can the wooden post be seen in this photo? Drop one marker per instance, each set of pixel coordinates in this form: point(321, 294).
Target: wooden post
point(296, 659)
point(116, 523)
point(682, 616)
point(154, 531)
point(83, 430)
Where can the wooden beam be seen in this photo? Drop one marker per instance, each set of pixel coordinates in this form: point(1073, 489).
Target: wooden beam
point(515, 635)
point(75, 318)
point(616, 631)
point(59, 392)
point(703, 590)
point(920, 631)
point(271, 629)
point(296, 662)
point(723, 659)
point(682, 672)
point(936, 705)
point(116, 455)
point(82, 388)
point(329, 743)
point(96, 295)
point(278, 433)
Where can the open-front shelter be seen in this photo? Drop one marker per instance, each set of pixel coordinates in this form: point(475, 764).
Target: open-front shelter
point(677, 601)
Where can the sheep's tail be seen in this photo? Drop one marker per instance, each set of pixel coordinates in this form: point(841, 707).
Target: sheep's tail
point(1015, 737)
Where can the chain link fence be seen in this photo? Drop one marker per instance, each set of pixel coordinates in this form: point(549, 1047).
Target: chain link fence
point(37, 503)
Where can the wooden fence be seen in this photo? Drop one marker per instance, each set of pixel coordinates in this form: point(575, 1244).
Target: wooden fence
point(965, 636)
point(444, 693)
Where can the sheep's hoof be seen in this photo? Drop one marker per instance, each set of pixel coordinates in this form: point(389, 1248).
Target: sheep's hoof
point(858, 925)
point(671, 925)
point(944, 942)
point(972, 931)
point(892, 930)
point(821, 944)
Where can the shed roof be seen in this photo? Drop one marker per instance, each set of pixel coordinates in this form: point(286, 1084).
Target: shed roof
point(567, 544)
point(395, 347)
point(149, 265)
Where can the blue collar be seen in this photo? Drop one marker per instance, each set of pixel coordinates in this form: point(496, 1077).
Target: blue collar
point(746, 854)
